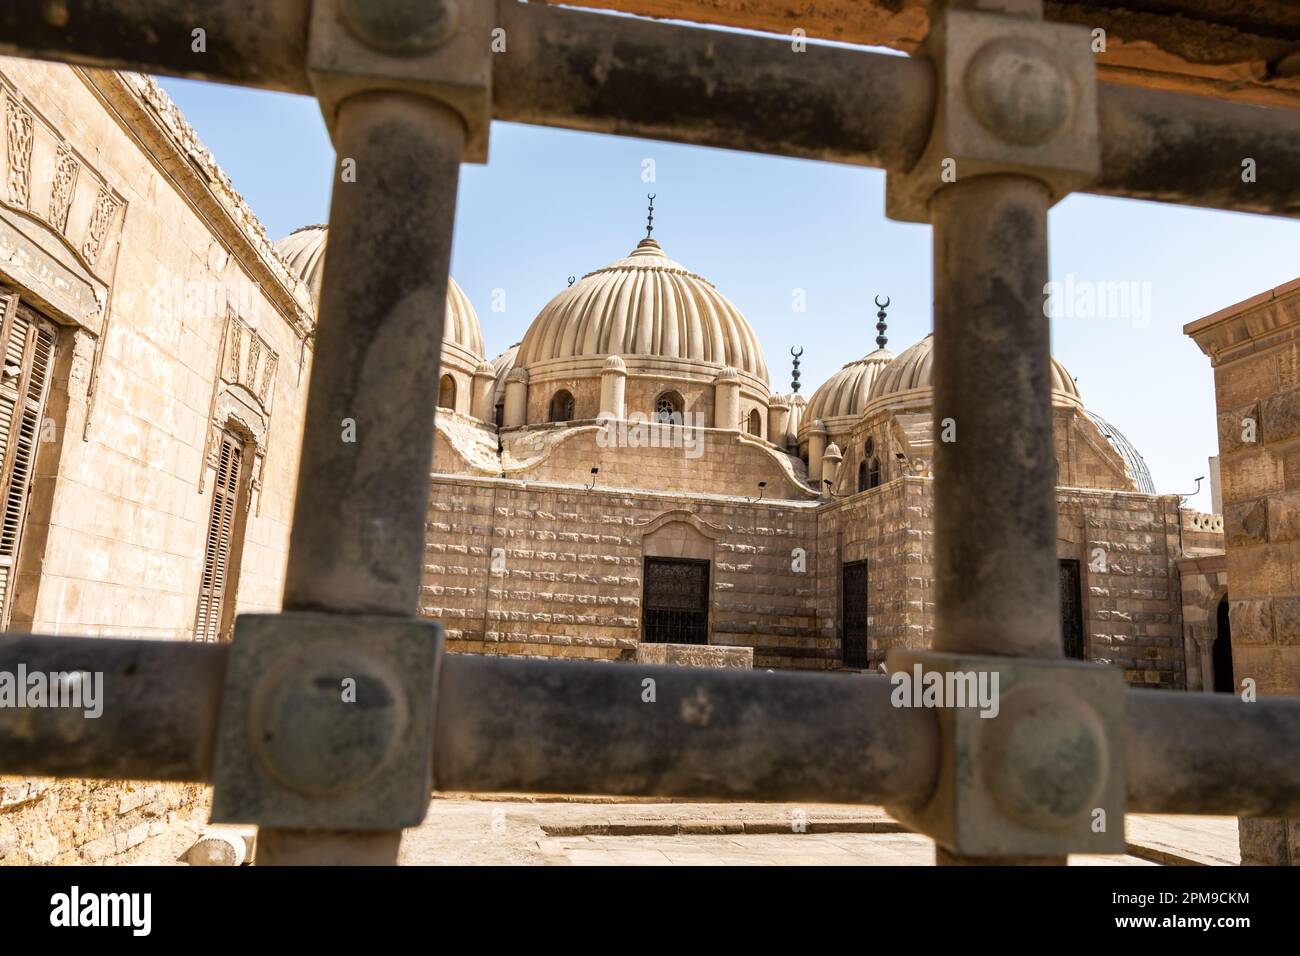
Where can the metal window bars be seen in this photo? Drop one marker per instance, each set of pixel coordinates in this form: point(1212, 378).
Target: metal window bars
point(1009, 102)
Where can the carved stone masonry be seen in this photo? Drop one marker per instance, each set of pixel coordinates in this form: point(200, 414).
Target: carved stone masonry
point(18, 126)
point(236, 348)
point(254, 353)
point(268, 376)
point(65, 182)
point(100, 221)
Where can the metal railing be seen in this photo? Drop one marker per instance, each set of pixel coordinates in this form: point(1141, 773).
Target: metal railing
point(1000, 117)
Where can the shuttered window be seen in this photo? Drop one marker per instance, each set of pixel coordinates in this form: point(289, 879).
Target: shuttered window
point(28, 343)
point(214, 587)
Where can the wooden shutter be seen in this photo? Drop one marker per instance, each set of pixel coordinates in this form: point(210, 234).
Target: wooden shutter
point(28, 343)
point(214, 585)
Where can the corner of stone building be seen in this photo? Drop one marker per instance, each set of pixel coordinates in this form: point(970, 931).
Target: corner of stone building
point(91, 822)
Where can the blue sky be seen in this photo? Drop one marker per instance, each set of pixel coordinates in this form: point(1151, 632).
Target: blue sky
point(550, 204)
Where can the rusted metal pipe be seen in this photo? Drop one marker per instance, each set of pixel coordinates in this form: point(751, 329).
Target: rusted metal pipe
point(996, 587)
point(567, 727)
point(357, 542)
point(1212, 753)
point(606, 74)
point(1198, 151)
point(157, 714)
point(358, 537)
point(784, 736)
point(587, 71)
point(249, 42)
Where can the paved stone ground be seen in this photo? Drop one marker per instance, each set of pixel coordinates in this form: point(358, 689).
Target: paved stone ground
point(460, 831)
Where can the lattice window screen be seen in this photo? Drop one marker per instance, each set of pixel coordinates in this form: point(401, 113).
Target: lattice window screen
point(213, 588)
point(28, 344)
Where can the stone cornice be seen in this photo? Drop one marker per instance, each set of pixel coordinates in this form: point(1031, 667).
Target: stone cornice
point(147, 113)
point(1262, 322)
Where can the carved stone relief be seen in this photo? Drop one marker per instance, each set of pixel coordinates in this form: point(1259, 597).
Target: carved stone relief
point(18, 129)
point(100, 221)
point(65, 182)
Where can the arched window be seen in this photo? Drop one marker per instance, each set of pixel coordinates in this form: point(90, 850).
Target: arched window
point(562, 406)
point(668, 408)
point(862, 476)
point(755, 423)
point(447, 393)
point(873, 476)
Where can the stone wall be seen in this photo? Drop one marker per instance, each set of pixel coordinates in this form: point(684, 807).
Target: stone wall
point(892, 528)
point(668, 458)
point(1127, 548)
point(174, 320)
point(1255, 350)
point(72, 822)
point(568, 570)
point(120, 501)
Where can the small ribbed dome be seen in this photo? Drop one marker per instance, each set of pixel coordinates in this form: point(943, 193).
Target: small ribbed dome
point(644, 305)
point(846, 392)
point(303, 251)
point(502, 364)
point(1134, 464)
point(913, 371)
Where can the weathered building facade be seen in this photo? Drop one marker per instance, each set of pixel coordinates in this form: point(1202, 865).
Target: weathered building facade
point(156, 358)
point(1254, 347)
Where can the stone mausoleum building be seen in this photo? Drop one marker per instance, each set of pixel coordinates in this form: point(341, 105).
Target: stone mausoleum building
point(624, 476)
point(622, 479)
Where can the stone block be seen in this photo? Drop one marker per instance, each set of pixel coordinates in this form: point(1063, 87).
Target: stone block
point(1280, 416)
point(696, 655)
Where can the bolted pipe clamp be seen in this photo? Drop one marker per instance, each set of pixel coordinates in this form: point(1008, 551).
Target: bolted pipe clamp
point(1031, 753)
point(441, 49)
point(1015, 95)
point(327, 722)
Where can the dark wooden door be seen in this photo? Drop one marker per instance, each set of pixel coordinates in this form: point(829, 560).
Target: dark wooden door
point(1222, 651)
point(854, 612)
point(1071, 610)
point(675, 601)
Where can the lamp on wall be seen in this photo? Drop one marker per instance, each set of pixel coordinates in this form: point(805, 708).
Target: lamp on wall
point(761, 486)
point(827, 483)
point(594, 472)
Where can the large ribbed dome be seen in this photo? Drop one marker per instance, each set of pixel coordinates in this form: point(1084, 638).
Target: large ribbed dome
point(911, 377)
point(845, 393)
point(644, 305)
point(303, 251)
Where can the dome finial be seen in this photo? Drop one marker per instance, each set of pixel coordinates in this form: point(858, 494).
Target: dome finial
point(880, 323)
point(650, 219)
point(794, 374)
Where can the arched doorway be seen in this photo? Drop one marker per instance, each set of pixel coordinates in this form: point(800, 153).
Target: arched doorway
point(1222, 653)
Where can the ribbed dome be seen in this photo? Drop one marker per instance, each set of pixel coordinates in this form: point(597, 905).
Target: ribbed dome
point(913, 371)
point(845, 393)
point(644, 305)
point(1134, 463)
point(502, 365)
point(303, 251)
